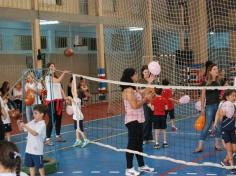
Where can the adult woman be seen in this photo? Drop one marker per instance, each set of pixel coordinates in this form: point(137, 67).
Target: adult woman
point(147, 78)
point(211, 99)
point(55, 94)
point(134, 119)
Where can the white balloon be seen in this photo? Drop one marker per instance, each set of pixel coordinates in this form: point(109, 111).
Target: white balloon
point(198, 105)
point(154, 68)
point(184, 99)
point(69, 110)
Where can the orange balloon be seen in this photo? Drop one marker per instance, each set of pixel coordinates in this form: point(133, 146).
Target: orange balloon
point(29, 97)
point(68, 52)
point(200, 123)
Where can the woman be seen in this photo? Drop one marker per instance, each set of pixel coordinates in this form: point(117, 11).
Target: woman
point(147, 78)
point(211, 99)
point(55, 94)
point(134, 119)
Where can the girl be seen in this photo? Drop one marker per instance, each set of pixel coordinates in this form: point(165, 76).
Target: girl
point(226, 115)
point(6, 120)
point(78, 118)
point(211, 97)
point(134, 119)
point(55, 94)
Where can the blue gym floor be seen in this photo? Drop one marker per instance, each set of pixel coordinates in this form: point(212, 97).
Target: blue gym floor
point(97, 160)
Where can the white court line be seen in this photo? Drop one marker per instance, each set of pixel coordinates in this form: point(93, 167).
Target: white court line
point(173, 173)
point(60, 172)
point(95, 172)
point(77, 172)
point(211, 174)
point(114, 172)
point(191, 173)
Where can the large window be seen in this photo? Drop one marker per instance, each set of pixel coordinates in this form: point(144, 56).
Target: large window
point(61, 42)
point(23, 42)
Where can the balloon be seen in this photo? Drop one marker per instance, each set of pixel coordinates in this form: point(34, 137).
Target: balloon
point(198, 105)
point(184, 99)
point(69, 110)
point(15, 114)
point(68, 52)
point(200, 123)
point(29, 97)
point(154, 68)
point(148, 94)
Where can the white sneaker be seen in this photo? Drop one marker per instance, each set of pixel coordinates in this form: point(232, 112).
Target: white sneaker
point(131, 172)
point(146, 168)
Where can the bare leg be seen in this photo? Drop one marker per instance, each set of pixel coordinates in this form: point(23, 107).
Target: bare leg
point(42, 172)
point(32, 171)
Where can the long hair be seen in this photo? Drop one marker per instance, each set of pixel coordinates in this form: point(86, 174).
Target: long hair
point(144, 67)
point(10, 157)
point(5, 88)
point(126, 77)
point(48, 66)
point(209, 78)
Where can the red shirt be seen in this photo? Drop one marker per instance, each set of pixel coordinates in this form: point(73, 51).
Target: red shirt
point(167, 93)
point(159, 104)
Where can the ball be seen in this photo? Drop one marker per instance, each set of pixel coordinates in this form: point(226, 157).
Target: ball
point(154, 68)
point(200, 123)
point(29, 97)
point(184, 99)
point(68, 52)
point(69, 110)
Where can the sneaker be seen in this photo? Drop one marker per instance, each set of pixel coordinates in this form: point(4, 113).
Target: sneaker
point(146, 168)
point(164, 145)
point(131, 172)
point(60, 139)
point(48, 142)
point(77, 143)
point(173, 128)
point(86, 141)
point(156, 146)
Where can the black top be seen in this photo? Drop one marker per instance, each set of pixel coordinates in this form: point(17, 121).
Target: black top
point(212, 96)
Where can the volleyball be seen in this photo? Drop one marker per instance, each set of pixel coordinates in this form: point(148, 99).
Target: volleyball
point(69, 110)
point(154, 68)
point(184, 99)
point(200, 123)
point(68, 52)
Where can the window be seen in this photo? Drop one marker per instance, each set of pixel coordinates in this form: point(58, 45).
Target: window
point(84, 7)
point(61, 42)
point(1, 41)
point(44, 42)
point(23, 42)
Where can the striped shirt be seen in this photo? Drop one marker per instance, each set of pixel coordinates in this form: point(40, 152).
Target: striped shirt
point(134, 114)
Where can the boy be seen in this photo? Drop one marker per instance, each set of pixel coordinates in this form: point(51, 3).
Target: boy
point(159, 106)
point(35, 141)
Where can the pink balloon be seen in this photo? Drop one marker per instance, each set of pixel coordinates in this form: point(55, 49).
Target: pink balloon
point(154, 68)
point(198, 105)
point(69, 110)
point(184, 99)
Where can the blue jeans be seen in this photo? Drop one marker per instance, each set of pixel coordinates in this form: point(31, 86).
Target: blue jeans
point(210, 116)
point(147, 127)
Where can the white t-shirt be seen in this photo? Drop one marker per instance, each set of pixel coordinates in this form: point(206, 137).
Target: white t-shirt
point(76, 106)
point(17, 93)
point(56, 89)
point(36, 87)
point(35, 144)
point(7, 119)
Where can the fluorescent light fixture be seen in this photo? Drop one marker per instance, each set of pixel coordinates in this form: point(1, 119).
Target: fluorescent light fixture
point(45, 22)
point(135, 29)
point(212, 33)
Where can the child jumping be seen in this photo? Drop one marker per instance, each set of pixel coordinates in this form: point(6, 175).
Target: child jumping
point(35, 141)
point(77, 117)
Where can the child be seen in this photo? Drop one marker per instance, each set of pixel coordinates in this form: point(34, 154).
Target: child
point(226, 115)
point(10, 161)
point(35, 141)
point(168, 94)
point(6, 120)
point(159, 106)
point(78, 118)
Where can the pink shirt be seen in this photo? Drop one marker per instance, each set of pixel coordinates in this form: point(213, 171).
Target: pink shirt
point(134, 114)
